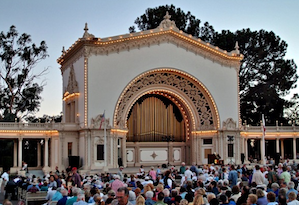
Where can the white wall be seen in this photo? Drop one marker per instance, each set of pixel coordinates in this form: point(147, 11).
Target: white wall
point(109, 75)
point(79, 73)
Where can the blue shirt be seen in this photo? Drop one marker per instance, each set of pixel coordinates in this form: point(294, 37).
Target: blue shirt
point(233, 177)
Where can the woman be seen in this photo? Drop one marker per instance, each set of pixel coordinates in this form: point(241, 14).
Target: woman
point(261, 198)
point(252, 199)
point(140, 200)
point(167, 180)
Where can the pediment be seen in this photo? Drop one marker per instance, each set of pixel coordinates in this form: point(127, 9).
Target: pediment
point(166, 32)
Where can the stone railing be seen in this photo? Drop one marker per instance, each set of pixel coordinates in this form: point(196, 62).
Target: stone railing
point(38, 126)
point(250, 128)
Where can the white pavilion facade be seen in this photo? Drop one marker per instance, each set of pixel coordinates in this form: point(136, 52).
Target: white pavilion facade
point(154, 97)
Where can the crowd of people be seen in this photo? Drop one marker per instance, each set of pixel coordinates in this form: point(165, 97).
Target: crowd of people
point(186, 185)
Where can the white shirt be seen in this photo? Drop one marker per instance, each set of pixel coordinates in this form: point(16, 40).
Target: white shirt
point(188, 174)
point(294, 202)
point(5, 176)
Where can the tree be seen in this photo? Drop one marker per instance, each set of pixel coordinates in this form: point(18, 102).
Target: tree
point(19, 94)
point(44, 119)
point(266, 77)
point(184, 21)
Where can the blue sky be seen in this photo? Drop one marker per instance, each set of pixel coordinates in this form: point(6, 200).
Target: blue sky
point(61, 23)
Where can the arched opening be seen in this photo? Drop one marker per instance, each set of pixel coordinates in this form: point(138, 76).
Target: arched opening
point(155, 118)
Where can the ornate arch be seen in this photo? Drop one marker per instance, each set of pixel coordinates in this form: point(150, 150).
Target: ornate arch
point(195, 97)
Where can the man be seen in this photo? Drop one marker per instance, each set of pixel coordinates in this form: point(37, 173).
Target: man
point(122, 196)
point(76, 177)
point(80, 200)
point(64, 197)
point(233, 175)
point(188, 174)
point(258, 176)
point(182, 168)
point(160, 199)
point(285, 175)
point(120, 173)
point(291, 186)
point(5, 177)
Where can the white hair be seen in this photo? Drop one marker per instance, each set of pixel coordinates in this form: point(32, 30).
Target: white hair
point(149, 194)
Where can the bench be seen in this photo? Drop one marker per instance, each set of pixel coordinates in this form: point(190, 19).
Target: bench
point(38, 196)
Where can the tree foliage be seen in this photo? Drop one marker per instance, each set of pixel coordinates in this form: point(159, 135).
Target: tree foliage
point(266, 77)
point(44, 119)
point(19, 94)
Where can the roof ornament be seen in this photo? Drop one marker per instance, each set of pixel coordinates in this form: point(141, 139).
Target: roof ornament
point(63, 50)
point(87, 35)
point(167, 23)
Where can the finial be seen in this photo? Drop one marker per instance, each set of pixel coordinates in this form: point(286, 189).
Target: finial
point(85, 28)
point(167, 23)
point(86, 34)
point(237, 48)
point(167, 16)
point(63, 50)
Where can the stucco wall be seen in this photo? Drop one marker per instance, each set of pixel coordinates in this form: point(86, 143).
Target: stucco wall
point(109, 74)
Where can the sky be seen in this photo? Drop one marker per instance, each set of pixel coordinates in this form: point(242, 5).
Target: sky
point(61, 22)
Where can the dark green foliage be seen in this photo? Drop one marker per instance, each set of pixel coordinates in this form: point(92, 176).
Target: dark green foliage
point(44, 119)
point(266, 77)
point(19, 93)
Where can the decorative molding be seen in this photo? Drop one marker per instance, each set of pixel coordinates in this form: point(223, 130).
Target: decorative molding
point(96, 122)
point(95, 46)
point(196, 93)
point(229, 124)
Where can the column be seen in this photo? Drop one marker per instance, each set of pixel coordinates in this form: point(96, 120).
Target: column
point(246, 149)
point(277, 145)
point(294, 148)
point(20, 152)
point(46, 161)
point(15, 154)
point(124, 151)
point(262, 146)
point(38, 154)
point(282, 149)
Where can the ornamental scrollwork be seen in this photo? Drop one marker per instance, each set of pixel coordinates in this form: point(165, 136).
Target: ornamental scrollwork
point(181, 83)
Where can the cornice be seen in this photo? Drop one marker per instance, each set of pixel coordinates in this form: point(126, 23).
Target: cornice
point(96, 46)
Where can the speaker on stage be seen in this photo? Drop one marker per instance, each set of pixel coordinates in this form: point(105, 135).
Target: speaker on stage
point(74, 161)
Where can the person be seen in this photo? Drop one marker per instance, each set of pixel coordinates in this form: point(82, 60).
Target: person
point(182, 168)
point(140, 200)
point(5, 177)
point(122, 196)
point(52, 182)
point(258, 176)
point(293, 199)
point(261, 198)
point(10, 189)
point(233, 175)
point(252, 199)
point(80, 200)
point(73, 199)
point(116, 183)
point(132, 197)
point(148, 198)
point(76, 177)
point(271, 197)
point(285, 175)
point(153, 174)
point(63, 200)
point(24, 166)
point(160, 199)
point(188, 174)
point(243, 198)
point(120, 173)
